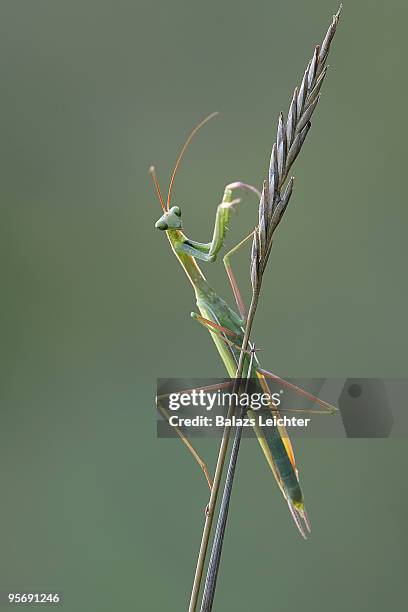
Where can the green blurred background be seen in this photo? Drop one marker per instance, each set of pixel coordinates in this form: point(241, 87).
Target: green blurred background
point(94, 308)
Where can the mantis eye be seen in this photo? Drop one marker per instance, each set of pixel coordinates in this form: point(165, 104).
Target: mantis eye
point(161, 225)
point(177, 211)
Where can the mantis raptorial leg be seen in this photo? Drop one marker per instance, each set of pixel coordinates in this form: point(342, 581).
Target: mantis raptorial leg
point(208, 251)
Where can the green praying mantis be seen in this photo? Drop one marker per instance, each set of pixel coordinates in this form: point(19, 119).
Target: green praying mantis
point(226, 327)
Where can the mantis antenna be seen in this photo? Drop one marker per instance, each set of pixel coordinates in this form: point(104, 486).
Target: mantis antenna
point(180, 157)
point(152, 171)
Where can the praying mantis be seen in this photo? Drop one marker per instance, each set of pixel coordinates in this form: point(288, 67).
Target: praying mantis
point(226, 328)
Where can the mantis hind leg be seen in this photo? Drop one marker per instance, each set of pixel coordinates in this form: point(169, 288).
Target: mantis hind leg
point(225, 333)
point(182, 436)
point(184, 439)
point(327, 407)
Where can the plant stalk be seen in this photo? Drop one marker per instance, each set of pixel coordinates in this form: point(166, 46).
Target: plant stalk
point(219, 467)
point(215, 558)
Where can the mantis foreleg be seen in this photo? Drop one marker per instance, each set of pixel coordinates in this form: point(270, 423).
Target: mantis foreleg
point(208, 251)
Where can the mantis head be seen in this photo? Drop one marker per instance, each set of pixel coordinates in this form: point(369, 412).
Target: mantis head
point(170, 220)
point(171, 217)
